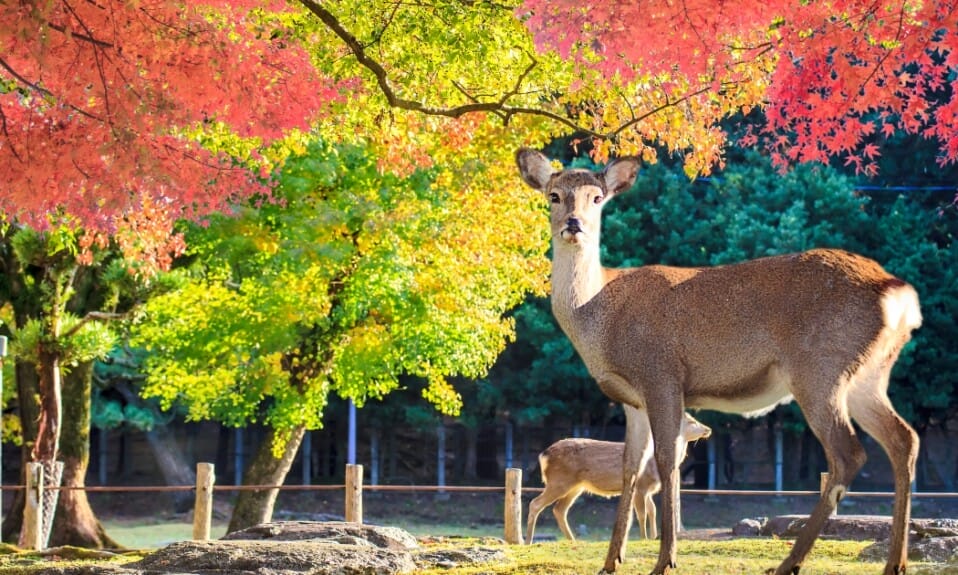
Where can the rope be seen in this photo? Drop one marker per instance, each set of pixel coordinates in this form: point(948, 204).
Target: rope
point(458, 489)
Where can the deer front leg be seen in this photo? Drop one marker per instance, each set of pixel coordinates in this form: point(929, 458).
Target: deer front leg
point(620, 531)
point(638, 445)
point(666, 421)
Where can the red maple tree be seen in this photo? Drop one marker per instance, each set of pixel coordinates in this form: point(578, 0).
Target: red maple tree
point(114, 120)
point(835, 75)
point(98, 101)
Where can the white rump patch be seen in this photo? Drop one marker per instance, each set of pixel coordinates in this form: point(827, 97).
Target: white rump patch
point(900, 308)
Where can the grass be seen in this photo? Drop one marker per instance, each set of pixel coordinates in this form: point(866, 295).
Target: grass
point(729, 557)
point(734, 557)
point(137, 534)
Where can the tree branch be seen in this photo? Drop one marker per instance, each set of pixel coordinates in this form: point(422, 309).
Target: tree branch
point(94, 316)
point(6, 135)
point(382, 79)
point(77, 35)
point(499, 107)
point(40, 89)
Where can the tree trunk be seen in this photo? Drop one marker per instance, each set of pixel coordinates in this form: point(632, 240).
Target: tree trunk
point(51, 403)
point(29, 407)
point(255, 507)
point(173, 465)
point(75, 523)
point(470, 471)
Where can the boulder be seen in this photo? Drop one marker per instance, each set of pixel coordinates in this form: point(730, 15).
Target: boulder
point(749, 527)
point(847, 527)
point(932, 550)
point(295, 548)
point(935, 527)
point(860, 527)
point(250, 557)
point(339, 531)
point(450, 558)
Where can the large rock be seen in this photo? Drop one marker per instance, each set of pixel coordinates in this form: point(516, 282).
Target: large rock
point(749, 527)
point(312, 557)
point(339, 531)
point(848, 527)
point(860, 527)
point(935, 527)
point(295, 548)
point(929, 550)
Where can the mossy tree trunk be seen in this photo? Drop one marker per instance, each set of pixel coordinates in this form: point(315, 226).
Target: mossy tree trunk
point(29, 412)
point(74, 522)
point(255, 507)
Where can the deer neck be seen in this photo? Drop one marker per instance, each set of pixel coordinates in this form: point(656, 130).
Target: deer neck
point(577, 276)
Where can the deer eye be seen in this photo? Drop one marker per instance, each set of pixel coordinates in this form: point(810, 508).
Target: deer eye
point(554, 197)
point(598, 199)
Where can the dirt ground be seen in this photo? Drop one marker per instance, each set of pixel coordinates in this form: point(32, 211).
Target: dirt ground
point(482, 513)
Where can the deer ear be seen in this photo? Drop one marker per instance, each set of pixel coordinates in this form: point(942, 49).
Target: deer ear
point(620, 174)
point(535, 169)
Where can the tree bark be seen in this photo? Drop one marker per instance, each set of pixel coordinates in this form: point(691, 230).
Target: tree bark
point(470, 471)
point(29, 407)
point(173, 465)
point(255, 507)
point(75, 523)
point(47, 444)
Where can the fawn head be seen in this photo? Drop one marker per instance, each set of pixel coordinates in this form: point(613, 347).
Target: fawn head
point(576, 195)
point(693, 429)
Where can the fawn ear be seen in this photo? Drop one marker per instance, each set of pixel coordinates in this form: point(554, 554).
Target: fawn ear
point(535, 169)
point(620, 174)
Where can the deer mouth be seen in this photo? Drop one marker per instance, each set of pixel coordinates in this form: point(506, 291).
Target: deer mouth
point(570, 233)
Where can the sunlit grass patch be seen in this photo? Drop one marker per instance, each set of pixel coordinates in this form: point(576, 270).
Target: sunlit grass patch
point(733, 557)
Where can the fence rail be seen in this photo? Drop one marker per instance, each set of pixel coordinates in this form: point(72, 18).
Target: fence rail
point(35, 529)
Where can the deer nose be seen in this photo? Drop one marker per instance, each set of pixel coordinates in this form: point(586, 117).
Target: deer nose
point(573, 224)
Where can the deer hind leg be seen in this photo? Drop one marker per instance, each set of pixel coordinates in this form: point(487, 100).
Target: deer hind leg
point(829, 420)
point(551, 493)
point(638, 503)
point(647, 515)
point(870, 408)
point(643, 502)
point(561, 512)
point(650, 514)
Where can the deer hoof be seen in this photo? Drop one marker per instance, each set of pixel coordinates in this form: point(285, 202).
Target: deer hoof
point(663, 569)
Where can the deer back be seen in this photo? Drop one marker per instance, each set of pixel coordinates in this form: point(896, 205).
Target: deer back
point(595, 465)
point(737, 333)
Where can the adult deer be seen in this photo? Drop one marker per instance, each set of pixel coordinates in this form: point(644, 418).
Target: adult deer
point(823, 327)
point(575, 465)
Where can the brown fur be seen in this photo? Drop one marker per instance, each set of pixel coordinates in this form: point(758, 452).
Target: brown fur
point(572, 466)
point(823, 327)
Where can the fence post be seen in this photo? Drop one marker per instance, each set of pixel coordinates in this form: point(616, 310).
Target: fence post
point(203, 509)
point(31, 532)
point(513, 506)
point(354, 493)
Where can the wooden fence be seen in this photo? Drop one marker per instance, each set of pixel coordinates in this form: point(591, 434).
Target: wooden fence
point(34, 535)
